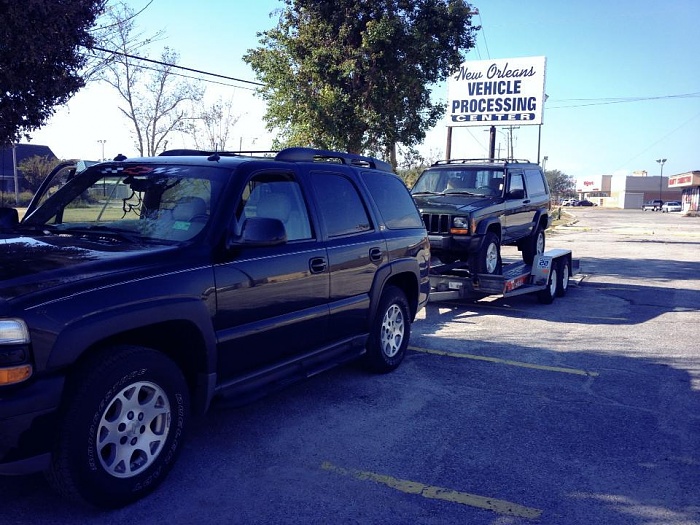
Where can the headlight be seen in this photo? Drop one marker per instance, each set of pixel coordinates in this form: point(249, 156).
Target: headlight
point(13, 332)
point(14, 367)
point(460, 226)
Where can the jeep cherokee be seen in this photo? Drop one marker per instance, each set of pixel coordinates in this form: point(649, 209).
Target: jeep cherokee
point(471, 207)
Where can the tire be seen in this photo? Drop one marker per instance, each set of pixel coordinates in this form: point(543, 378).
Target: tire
point(488, 259)
point(389, 333)
point(563, 273)
point(547, 295)
point(533, 245)
point(128, 403)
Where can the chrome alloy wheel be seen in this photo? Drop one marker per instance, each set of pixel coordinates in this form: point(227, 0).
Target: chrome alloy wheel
point(133, 429)
point(393, 330)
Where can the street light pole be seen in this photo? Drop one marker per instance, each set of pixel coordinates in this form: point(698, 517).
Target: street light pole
point(661, 177)
point(102, 141)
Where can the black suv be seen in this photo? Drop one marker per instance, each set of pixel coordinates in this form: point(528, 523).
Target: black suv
point(135, 292)
point(471, 207)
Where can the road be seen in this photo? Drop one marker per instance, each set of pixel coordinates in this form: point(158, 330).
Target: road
point(586, 411)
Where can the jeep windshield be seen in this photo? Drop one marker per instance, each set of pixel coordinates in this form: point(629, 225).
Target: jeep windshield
point(130, 202)
point(469, 181)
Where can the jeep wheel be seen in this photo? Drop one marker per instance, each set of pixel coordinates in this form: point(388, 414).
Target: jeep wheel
point(121, 429)
point(533, 245)
point(390, 332)
point(488, 259)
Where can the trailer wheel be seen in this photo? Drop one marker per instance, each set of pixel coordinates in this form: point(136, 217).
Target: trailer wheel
point(547, 295)
point(563, 273)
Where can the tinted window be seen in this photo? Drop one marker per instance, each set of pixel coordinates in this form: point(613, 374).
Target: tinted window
point(276, 196)
point(535, 182)
point(340, 204)
point(395, 204)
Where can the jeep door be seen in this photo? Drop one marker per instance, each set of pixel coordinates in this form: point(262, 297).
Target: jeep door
point(356, 249)
point(518, 211)
point(272, 300)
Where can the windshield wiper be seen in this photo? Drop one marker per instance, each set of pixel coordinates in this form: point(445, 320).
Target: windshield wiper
point(102, 231)
point(426, 193)
point(464, 192)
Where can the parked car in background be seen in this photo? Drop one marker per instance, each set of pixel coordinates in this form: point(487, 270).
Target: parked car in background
point(569, 202)
point(671, 206)
point(654, 205)
point(585, 202)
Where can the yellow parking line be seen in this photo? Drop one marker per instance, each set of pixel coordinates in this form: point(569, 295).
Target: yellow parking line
point(412, 487)
point(563, 370)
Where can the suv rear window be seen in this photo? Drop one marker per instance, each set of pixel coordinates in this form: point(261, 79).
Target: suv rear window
point(395, 204)
point(340, 204)
point(535, 182)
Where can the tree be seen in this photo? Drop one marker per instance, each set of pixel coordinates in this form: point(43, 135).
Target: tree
point(155, 97)
point(560, 184)
point(35, 169)
point(210, 126)
point(41, 55)
point(342, 74)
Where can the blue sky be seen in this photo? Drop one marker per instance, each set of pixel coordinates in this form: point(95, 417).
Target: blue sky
point(623, 81)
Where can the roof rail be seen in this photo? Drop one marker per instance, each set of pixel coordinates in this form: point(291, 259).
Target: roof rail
point(321, 155)
point(202, 153)
point(466, 161)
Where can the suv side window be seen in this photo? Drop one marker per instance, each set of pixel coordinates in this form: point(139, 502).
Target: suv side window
point(516, 181)
point(535, 182)
point(340, 204)
point(396, 206)
point(277, 196)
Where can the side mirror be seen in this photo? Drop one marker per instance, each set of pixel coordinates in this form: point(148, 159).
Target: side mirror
point(261, 231)
point(516, 194)
point(9, 218)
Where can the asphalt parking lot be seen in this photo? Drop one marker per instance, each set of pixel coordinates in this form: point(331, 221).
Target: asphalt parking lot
point(504, 412)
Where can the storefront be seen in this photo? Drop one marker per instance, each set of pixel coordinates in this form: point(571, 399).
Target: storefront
point(689, 182)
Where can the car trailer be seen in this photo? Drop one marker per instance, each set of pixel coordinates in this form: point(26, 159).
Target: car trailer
point(548, 276)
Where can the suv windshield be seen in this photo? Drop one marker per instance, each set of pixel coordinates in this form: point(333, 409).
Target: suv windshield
point(475, 181)
point(145, 202)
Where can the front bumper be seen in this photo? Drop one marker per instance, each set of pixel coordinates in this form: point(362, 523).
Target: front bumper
point(458, 244)
point(27, 425)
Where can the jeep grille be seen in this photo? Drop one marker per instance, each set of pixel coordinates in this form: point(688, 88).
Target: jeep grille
point(436, 223)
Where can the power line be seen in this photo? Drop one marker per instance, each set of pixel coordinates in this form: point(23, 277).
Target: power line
point(619, 100)
point(161, 63)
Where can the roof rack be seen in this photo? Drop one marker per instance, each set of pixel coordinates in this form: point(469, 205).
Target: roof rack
point(321, 155)
point(466, 161)
point(203, 153)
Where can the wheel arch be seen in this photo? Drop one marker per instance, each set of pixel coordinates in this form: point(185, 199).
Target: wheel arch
point(179, 337)
point(403, 274)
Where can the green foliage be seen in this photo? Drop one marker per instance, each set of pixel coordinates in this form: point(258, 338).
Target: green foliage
point(354, 75)
point(40, 59)
point(560, 184)
point(35, 169)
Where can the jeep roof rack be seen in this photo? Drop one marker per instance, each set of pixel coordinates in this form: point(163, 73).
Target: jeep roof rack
point(321, 155)
point(466, 161)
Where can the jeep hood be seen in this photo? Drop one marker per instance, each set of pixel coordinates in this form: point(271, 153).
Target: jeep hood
point(451, 203)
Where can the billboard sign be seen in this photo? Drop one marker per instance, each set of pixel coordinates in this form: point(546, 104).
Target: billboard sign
point(497, 92)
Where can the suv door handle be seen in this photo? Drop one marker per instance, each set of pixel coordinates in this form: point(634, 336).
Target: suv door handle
point(375, 254)
point(318, 265)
